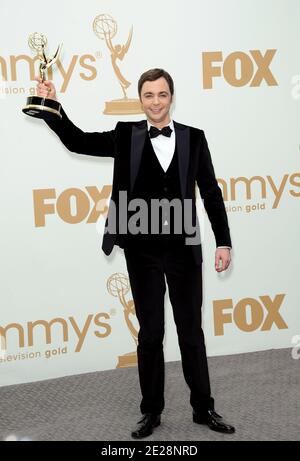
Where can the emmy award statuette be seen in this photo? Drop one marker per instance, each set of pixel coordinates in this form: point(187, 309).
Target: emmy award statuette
point(36, 106)
point(105, 27)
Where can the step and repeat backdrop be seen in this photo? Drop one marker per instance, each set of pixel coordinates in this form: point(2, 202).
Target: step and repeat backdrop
point(66, 308)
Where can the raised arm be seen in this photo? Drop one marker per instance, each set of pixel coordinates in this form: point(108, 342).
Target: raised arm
point(102, 144)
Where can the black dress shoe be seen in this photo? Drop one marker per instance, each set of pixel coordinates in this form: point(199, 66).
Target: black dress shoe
point(214, 421)
point(145, 426)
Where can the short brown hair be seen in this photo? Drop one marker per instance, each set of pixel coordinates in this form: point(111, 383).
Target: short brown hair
point(154, 74)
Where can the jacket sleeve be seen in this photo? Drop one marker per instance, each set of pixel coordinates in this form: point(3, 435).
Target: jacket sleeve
point(98, 144)
point(212, 196)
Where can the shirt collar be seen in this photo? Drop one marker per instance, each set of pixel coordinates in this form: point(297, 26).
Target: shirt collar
point(171, 125)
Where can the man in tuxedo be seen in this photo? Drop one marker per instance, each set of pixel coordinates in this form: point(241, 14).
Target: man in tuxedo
point(159, 160)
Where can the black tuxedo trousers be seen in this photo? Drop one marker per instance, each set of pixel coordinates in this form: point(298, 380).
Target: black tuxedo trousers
point(151, 268)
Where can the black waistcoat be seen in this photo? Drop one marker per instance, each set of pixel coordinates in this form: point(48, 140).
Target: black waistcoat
point(153, 182)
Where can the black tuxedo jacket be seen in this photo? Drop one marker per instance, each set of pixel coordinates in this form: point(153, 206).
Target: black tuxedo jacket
point(125, 144)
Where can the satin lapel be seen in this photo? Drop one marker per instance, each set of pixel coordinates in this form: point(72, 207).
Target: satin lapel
point(183, 149)
point(138, 137)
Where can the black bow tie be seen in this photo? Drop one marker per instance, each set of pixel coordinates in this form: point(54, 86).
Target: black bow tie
point(165, 131)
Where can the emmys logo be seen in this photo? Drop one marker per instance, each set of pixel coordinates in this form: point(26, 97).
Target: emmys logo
point(9, 69)
point(249, 314)
point(26, 336)
point(118, 286)
point(238, 68)
point(105, 27)
point(37, 42)
point(265, 188)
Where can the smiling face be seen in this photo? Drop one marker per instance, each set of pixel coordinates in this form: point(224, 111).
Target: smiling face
point(156, 100)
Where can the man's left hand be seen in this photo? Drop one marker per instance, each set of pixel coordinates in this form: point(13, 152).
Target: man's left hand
point(223, 255)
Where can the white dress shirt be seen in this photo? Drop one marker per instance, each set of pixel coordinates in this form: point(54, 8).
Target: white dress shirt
point(164, 148)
